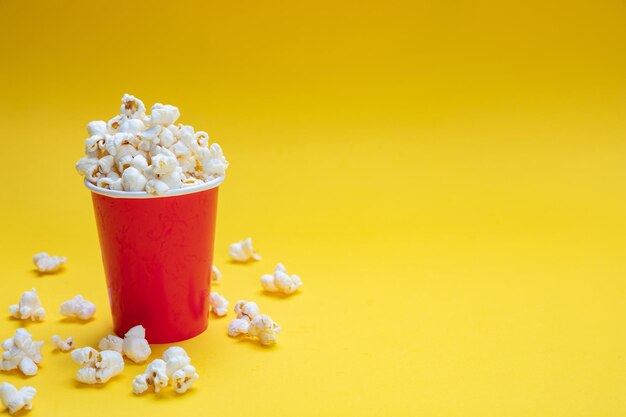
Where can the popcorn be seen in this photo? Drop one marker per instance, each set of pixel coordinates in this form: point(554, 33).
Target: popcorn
point(48, 264)
point(97, 367)
point(242, 251)
point(78, 307)
point(175, 366)
point(251, 323)
point(22, 353)
point(148, 153)
point(29, 307)
point(281, 281)
point(219, 304)
point(155, 376)
point(63, 345)
point(15, 400)
point(216, 275)
point(179, 369)
point(134, 345)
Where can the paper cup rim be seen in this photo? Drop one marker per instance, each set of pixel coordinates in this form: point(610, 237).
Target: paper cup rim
point(142, 194)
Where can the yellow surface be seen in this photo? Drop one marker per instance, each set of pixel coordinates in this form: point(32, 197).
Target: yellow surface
point(446, 177)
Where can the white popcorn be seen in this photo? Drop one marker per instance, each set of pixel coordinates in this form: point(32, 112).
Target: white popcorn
point(78, 307)
point(97, 128)
point(132, 107)
point(219, 304)
point(216, 275)
point(21, 352)
point(179, 369)
point(63, 345)
point(155, 376)
point(172, 156)
point(97, 367)
point(134, 345)
point(49, 264)
point(15, 400)
point(251, 323)
point(29, 307)
point(133, 180)
point(238, 327)
point(111, 342)
point(242, 251)
point(281, 281)
point(248, 309)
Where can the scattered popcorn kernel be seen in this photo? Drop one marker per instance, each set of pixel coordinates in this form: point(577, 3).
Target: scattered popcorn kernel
point(48, 264)
point(63, 345)
point(111, 342)
point(280, 281)
point(247, 309)
point(265, 329)
point(97, 367)
point(242, 251)
point(238, 327)
point(219, 304)
point(78, 307)
point(15, 400)
point(21, 352)
point(29, 307)
point(155, 376)
point(179, 369)
point(216, 275)
point(251, 323)
point(135, 346)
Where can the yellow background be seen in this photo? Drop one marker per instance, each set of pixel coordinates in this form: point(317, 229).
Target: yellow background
point(446, 177)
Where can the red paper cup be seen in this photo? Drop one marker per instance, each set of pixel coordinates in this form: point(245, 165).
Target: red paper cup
point(157, 253)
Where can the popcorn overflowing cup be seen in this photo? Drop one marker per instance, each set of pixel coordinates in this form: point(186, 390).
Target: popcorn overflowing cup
point(154, 189)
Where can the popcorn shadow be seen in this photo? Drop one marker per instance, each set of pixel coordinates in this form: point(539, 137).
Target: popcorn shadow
point(279, 295)
point(254, 343)
point(76, 320)
point(37, 273)
point(246, 263)
point(81, 385)
point(166, 394)
point(18, 374)
point(26, 323)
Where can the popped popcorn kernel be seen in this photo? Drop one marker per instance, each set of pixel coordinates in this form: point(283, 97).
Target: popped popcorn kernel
point(219, 304)
point(251, 323)
point(134, 344)
point(179, 369)
point(281, 281)
point(216, 275)
point(242, 251)
point(29, 307)
point(15, 400)
point(97, 367)
point(155, 376)
point(62, 345)
point(21, 352)
point(50, 264)
point(78, 307)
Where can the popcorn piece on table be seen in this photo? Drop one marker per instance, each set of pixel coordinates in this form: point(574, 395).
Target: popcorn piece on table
point(280, 281)
point(251, 323)
point(155, 376)
point(216, 275)
point(62, 345)
point(78, 307)
point(179, 369)
point(48, 264)
point(15, 400)
point(242, 251)
point(97, 367)
point(29, 307)
point(219, 304)
point(137, 152)
point(134, 345)
point(21, 352)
